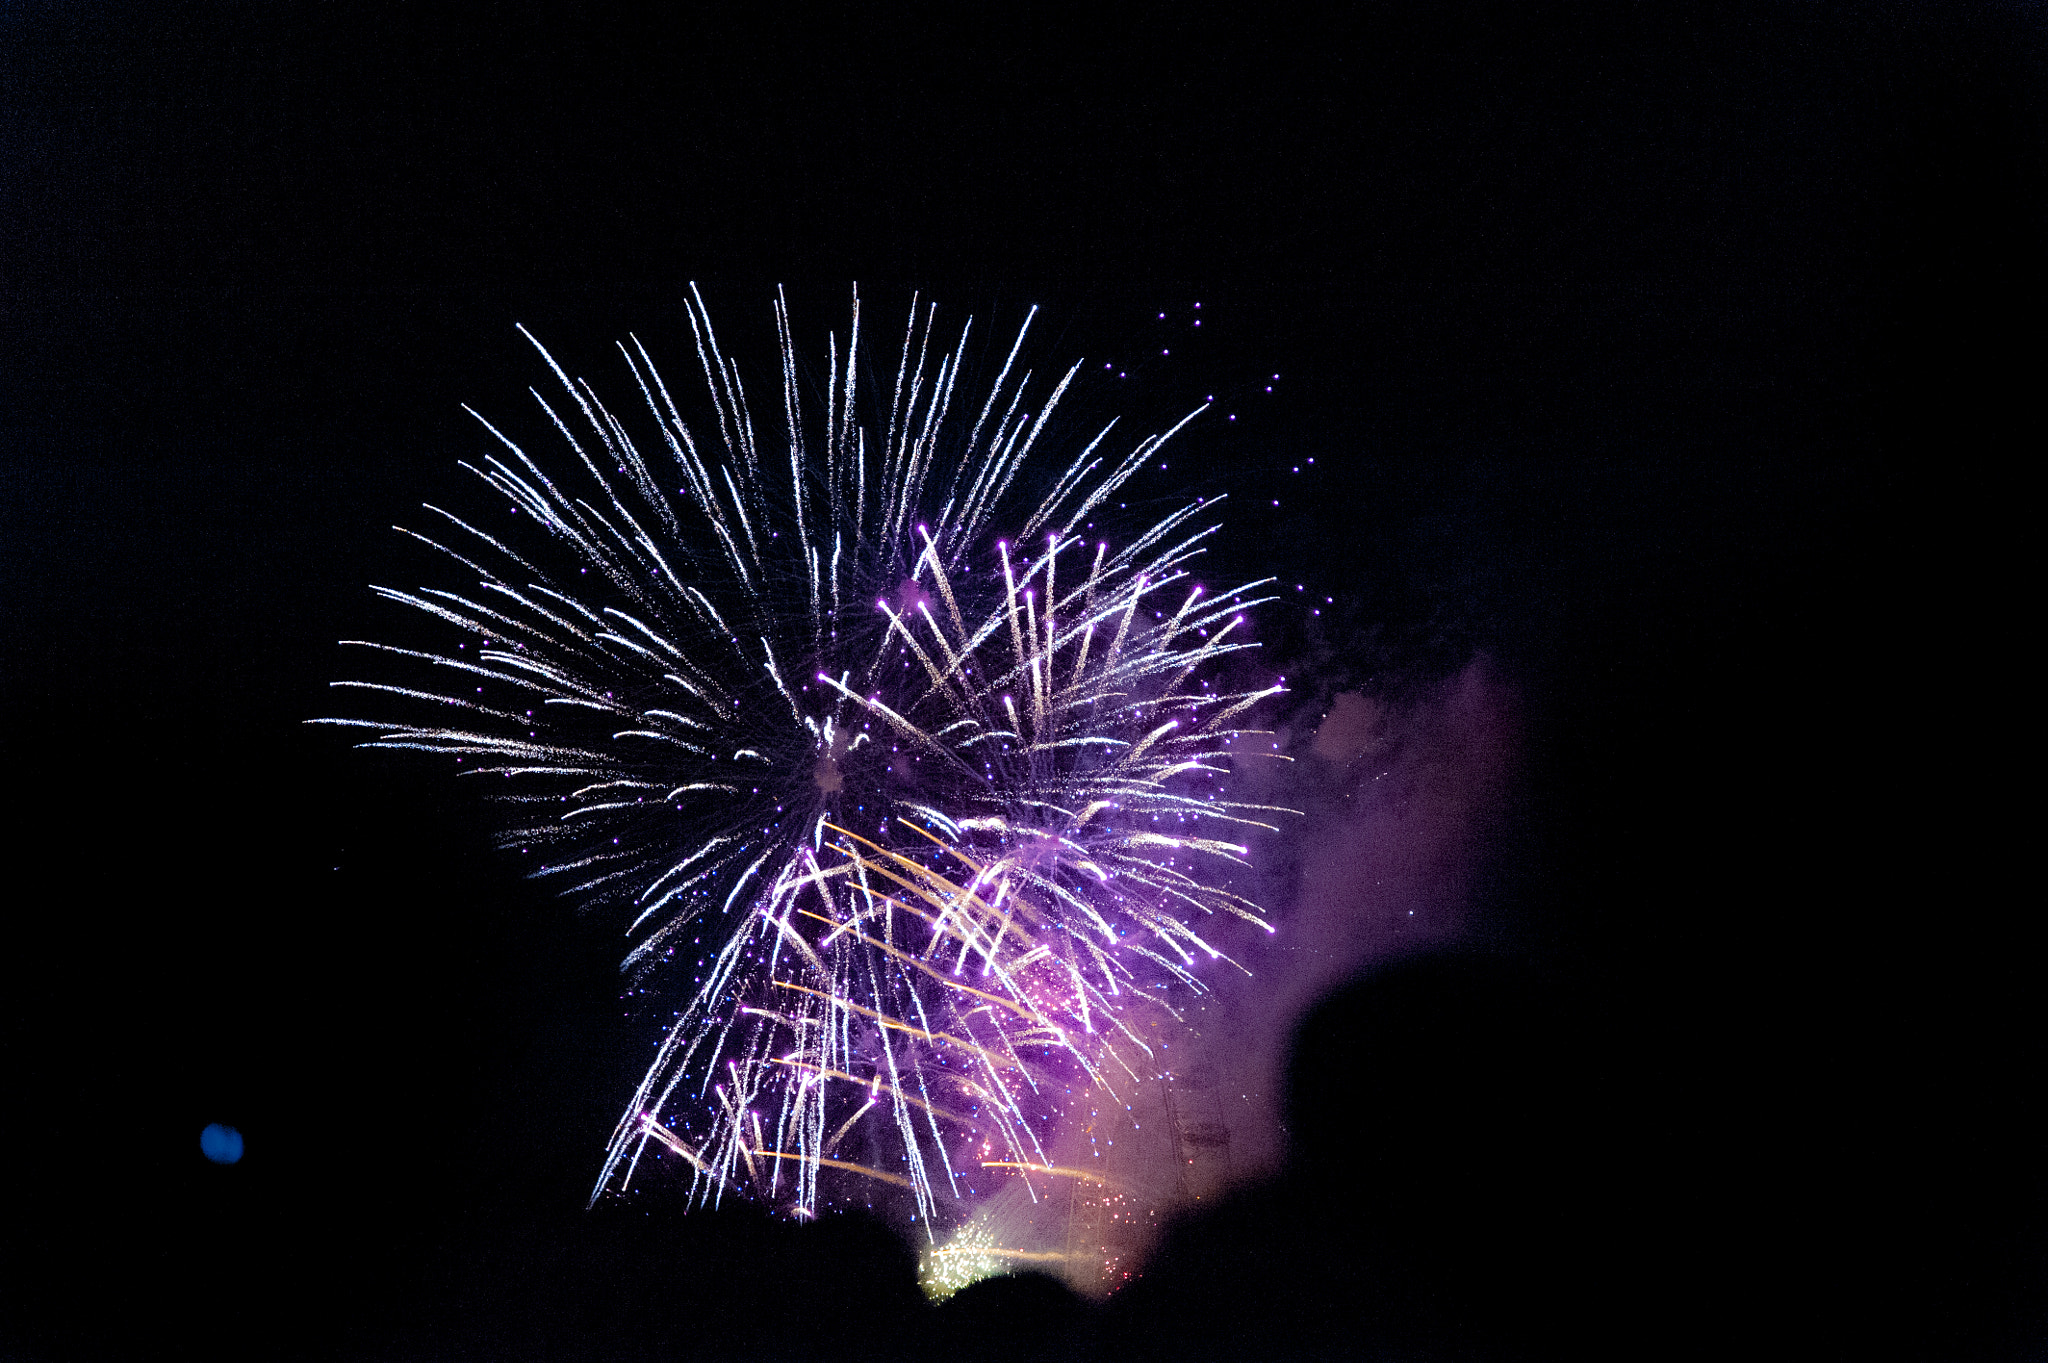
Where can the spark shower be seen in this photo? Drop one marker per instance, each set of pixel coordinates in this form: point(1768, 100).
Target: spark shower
point(898, 749)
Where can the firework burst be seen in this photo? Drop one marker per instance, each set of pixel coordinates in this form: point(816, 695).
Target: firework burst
point(911, 791)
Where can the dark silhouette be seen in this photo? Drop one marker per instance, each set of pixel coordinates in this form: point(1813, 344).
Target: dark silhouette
point(1024, 1317)
point(1437, 1121)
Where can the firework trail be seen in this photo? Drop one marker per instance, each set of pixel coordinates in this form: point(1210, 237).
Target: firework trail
point(920, 787)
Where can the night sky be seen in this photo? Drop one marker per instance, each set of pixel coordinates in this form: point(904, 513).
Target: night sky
point(1675, 361)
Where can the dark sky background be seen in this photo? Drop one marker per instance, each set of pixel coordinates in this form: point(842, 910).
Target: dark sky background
point(1682, 360)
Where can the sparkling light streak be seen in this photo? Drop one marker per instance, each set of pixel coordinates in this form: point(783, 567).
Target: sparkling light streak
point(908, 787)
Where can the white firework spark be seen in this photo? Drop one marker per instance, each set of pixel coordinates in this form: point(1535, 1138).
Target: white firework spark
point(935, 810)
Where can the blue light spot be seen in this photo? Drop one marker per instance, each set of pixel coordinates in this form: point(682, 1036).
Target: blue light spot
point(221, 1144)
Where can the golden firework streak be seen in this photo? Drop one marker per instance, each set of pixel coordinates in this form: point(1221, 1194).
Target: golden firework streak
point(1006, 1062)
point(896, 1179)
point(1061, 1170)
point(911, 1098)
